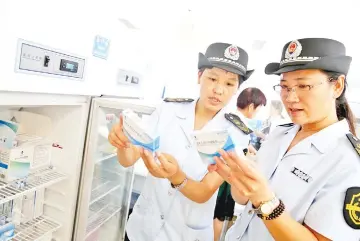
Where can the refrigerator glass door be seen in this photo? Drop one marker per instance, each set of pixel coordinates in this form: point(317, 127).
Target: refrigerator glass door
point(106, 186)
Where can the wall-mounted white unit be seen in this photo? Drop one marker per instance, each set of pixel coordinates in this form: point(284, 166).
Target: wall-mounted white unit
point(32, 58)
point(47, 49)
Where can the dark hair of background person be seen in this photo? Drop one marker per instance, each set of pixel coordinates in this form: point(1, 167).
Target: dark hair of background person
point(343, 110)
point(251, 96)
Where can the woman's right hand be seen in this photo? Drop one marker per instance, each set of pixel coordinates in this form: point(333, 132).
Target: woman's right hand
point(128, 153)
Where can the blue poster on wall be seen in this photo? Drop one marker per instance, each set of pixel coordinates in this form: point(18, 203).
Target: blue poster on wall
point(101, 47)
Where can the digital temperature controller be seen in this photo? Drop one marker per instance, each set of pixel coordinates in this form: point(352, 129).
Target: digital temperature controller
point(69, 66)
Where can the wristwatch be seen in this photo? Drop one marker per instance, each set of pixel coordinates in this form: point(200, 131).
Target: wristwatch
point(267, 207)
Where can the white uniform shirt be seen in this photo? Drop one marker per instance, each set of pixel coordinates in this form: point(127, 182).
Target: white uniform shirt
point(311, 179)
point(161, 213)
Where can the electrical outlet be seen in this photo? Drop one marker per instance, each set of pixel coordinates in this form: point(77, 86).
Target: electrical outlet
point(128, 77)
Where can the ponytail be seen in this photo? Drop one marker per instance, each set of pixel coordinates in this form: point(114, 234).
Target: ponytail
point(343, 110)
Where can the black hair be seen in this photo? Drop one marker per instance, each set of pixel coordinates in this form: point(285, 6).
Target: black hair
point(251, 96)
point(343, 110)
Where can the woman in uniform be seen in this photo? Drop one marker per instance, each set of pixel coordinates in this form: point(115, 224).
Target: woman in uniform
point(305, 184)
point(178, 198)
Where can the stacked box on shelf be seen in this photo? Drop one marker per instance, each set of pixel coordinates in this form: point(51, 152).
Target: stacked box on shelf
point(28, 153)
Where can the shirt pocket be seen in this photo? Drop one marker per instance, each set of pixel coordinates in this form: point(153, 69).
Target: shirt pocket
point(144, 201)
point(299, 187)
point(147, 214)
point(204, 234)
point(200, 215)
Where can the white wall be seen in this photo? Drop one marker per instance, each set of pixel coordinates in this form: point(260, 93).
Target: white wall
point(165, 48)
point(71, 26)
point(39, 21)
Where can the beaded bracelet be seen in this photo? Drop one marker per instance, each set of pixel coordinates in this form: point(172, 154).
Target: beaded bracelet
point(276, 213)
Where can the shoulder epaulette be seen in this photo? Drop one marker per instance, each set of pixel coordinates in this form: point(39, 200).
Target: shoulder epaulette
point(355, 142)
point(179, 100)
point(287, 125)
point(238, 123)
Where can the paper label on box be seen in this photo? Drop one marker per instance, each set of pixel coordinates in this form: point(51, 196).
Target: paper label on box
point(209, 143)
point(135, 131)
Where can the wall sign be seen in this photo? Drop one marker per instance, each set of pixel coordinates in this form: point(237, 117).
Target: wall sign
point(101, 47)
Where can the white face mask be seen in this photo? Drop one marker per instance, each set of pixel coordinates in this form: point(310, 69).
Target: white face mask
point(254, 124)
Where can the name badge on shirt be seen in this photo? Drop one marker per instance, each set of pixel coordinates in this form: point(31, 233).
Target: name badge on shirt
point(300, 174)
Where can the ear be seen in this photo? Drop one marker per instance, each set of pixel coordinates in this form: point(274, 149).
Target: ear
point(339, 86)
point(251, 107)
point(199, 76)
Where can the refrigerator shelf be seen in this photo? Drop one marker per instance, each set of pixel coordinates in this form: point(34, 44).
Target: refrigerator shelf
point(103, 190)
point(100, 218)
point(103, 203)
point(104, 183)
point(40, 179)
point(35, 229)
point(98, 206)
point(105, 157)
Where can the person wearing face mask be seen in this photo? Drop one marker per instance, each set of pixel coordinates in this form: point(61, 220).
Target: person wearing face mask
point(179, 195)
point(305, 184)
point(249, 103)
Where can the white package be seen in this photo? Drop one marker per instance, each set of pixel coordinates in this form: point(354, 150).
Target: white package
point(39, 202)
point(34, 148)
point(208, 143)
point(23, 208)
point(137, 132)
point(30, 153)
point(27, 209)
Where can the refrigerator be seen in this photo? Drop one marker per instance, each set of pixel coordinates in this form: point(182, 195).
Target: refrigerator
point(40, 173)
point(106, 187)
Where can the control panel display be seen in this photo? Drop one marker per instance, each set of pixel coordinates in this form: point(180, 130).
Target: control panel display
point(37, 59)
point(69, 66)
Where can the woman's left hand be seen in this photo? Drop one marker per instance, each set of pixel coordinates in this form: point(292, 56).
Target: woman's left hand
point(243, 175)
point(167, 168)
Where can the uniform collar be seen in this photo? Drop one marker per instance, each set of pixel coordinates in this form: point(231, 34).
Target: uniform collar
point(186, 112)
point(323, 139)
